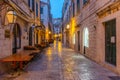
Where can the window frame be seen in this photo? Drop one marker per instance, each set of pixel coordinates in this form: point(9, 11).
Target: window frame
point(41, 10)
point(86, 37)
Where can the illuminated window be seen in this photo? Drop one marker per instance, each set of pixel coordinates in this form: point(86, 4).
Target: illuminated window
point(41, 10)
point(74, 39)
point(86, 37)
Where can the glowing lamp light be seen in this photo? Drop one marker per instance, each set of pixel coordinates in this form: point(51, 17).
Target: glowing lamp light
point(11, 16)
point(68, 26)
point(49, 32)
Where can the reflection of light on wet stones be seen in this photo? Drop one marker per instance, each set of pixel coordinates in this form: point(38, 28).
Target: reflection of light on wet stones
point(68, 70)
point(53, 76)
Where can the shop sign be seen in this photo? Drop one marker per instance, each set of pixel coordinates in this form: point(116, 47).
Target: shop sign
point(7, 33)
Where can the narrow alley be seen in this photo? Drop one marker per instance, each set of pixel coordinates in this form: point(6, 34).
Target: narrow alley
point(60, 63)
point(59, 39)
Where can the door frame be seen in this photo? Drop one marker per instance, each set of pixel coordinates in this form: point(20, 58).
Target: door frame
point(78, 33)
point(16, 38)
point(110, 42)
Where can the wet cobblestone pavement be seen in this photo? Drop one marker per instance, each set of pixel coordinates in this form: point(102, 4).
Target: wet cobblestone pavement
point(57, 63)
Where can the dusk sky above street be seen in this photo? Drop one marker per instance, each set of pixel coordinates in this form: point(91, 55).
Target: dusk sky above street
point(56, 8)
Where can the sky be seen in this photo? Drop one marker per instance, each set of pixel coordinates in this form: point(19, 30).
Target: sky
point(56, 8)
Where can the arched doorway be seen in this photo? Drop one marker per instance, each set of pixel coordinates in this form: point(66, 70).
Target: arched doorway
point(16, 38)
point(30, 36)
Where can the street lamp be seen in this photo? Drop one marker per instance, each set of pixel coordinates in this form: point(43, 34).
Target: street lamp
point(11, 16)
point(68, 26)
point(49, 32)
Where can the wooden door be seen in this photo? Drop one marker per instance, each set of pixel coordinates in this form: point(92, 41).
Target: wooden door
point(110, 42)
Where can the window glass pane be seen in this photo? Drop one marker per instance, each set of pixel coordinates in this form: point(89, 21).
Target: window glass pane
point(36, 9)
point(33, 5)
point(86, 37)
point(74, 39)
point(78, 6)
point(85, 1)
point(29, 3)
point(41, 10)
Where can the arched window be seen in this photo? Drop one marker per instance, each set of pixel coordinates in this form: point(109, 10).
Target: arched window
point(86, 37)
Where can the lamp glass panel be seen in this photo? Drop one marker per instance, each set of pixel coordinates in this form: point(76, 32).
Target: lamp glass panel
point(11, 16)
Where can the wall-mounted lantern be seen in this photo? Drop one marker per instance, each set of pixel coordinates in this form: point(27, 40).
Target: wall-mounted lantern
point(68, 26)
point(11, 16)
point(49, 32)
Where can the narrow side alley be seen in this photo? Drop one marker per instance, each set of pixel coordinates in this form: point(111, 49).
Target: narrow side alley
point(59, 63)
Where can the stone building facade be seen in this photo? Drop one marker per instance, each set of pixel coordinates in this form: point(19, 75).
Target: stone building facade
point(57, 25)
point(94, 31)
point(46, 18)
point(13, 37)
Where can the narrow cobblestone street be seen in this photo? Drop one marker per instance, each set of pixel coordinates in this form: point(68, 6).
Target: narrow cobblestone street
point(57, 63)
point(59, 40)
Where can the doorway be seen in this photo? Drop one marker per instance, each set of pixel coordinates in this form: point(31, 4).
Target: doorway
point(37, 38)
point(16, 43)
point(78, 40)
point(30, 36)
point(110, 42)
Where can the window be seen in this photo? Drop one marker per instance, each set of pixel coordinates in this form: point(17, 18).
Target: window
point(74, 39)
point(37, 9)
point(42, 21)
point(85, 1)
point(29, 3)
point(86, 37)
point(41, 10)
point(33, 5)
point(78, 6)
point(73, 9)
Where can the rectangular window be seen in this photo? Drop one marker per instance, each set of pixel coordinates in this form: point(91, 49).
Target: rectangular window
point(29, 3)
point(41, 10)
point(42, 21)
point(33, 5)
point(85, 1)
point(37, 9)
point(73, 9)
point(78, 6)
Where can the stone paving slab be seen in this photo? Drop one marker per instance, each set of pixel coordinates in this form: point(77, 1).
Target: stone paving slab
point(57, 63)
